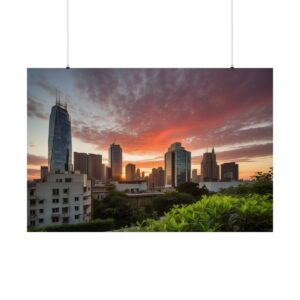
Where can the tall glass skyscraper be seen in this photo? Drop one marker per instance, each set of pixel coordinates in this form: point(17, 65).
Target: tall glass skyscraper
point(59, 140)
point(177, 165)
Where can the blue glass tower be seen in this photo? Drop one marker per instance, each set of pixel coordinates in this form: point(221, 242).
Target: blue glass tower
point(177, 165)
point(59, 140)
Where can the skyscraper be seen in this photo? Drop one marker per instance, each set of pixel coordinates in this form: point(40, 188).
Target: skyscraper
point(230, 171)
point(81, 162)
point(115, 161)
point(156, 178)
point(94, 166)
point(138, 174)
point(177, 165)
point(194, 176)
point(209, 167)
point(59, 140)
point(89, 164)
point(130, 172)
point(44, 173)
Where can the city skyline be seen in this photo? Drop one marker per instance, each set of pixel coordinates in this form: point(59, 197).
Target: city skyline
point(146, 110)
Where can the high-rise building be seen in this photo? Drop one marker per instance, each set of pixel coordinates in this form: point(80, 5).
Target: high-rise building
point(138, 174)
point(59, 139)
point(209, 167)
point(194, 176)
point(229, 171)
point(156, 178)
point(89, 164)
point(44, 173)
point(81, 162)
point(177, 165)
point(94, 166)
point(103, 173)
point(130, 172)
point(115, 161)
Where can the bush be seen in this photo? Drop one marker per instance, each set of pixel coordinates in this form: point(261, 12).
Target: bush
point(91, 226)
point(216, 213)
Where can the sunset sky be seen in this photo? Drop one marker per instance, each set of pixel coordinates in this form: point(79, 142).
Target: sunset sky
point(146, 110)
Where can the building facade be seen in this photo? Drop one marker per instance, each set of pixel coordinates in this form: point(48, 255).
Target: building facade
point(62, 199)
point(230, 171)
point(81, 162)
point(59, 140)
point(44, 173)
point(209, 167)
point(130, 172)
point(156, 178)
point(88, 163)
point(94, 166)
point(177, 165)
point(115, 161)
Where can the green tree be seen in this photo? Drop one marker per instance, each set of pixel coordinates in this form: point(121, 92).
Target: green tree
point(193, 189)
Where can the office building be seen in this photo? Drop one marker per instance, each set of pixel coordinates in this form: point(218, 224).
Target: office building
point(156, 178)
point(230, 171)
point(59, 139)
point(130, 172)
point(209, 167)
point(94, 166)
point(138, 174)
point(88, 163)
point(115, 161)
point(81, 162)
point(44, 173)
point(177, 165)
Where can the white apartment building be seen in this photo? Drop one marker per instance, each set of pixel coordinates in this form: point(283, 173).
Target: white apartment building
point(62, 199)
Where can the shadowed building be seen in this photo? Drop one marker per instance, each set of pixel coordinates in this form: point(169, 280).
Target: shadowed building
point(89, 164)
point(44, 173)
point(115, 161)
point(130, 172)
point(177, 165)
point(230, 171)
point(209, 167)
point(156, 178)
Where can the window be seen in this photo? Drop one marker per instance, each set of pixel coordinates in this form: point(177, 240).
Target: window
point(84, 189)
point(66, 191)
point(32, 223)
point(65, 200)
point(41, 211)
point(41, 201)
point(55, 191)
point(55, 210)
point(55, 219)
point(32, 212)
point(76, 217)
point(68, 180)
point(31, 193)
point(41, 220)
point(76, 198)
point(32, 202)
point(65, 210)
point(55, 200)
point(76, 207)
point(66, 220)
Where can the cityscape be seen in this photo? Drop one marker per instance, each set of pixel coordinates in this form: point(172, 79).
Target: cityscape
point(81, 186)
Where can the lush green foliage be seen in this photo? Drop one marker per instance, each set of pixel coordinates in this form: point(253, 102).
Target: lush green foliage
point(217, 213)
point(94, 225)
point(262, 184)
point(193, 189)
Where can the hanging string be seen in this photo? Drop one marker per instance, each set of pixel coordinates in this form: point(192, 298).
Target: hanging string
point(68, 33)
point(232, 67)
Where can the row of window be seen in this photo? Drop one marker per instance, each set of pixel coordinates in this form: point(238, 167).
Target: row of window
point(56, 191)
point(54, 220)
point(66, 180)
point(54, 201)
point(54, 210)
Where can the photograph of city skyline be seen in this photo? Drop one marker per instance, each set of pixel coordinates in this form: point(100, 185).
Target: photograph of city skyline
point(116, 149)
